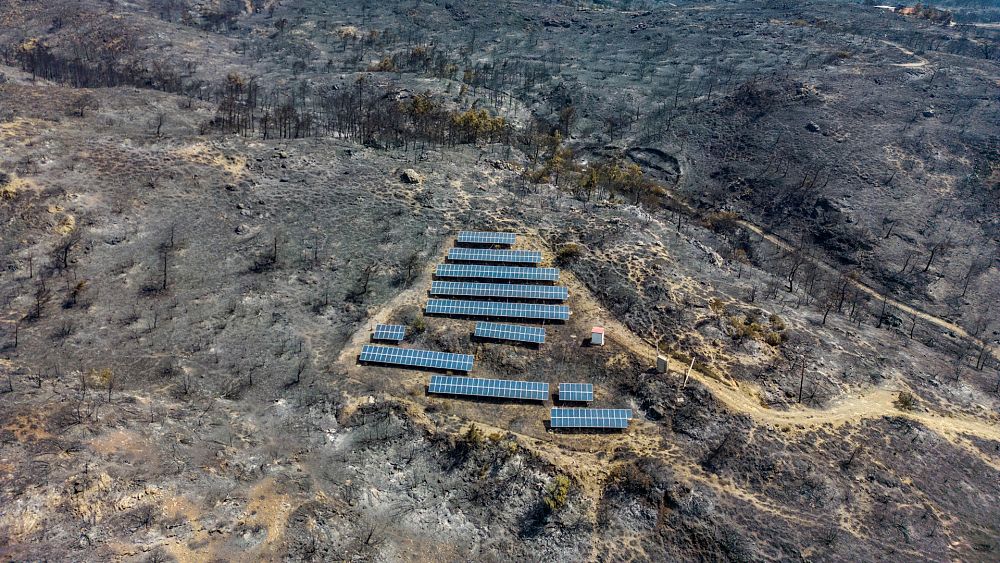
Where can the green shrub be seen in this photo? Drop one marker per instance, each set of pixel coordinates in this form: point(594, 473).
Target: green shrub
point(504, 443)
point(474, 436)
point(748, 328)
point(744, 328)
point(557, 493)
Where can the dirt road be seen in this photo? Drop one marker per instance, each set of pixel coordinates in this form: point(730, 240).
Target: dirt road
point(937, 321)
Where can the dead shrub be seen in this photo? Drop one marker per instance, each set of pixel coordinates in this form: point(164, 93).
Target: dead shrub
point(568, 253)
point(905, 401)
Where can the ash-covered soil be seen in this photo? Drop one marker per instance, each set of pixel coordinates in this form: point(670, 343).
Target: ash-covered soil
point(205, 208)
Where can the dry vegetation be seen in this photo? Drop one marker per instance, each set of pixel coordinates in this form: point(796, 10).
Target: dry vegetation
point(206, 206)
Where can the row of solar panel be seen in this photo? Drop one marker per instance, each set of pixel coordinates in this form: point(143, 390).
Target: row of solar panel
point(514, 273)
point(489, 255)
point(393, 333)
point(493, 309)
point(514, 333)
point(562, 417)
point(416, 358)
point(577, 392)
point(498, 331)
point(510, 389)
point(502, 290)
point(502, 388)
point(480, 237)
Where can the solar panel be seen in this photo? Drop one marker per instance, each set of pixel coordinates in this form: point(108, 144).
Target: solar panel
point(590, 418)
point(502, 388)
point(510, 332)
point(576, 392)
point(479, 237)
point(389, 332)
point(496, 272)
point(492, 309)
point(487, 255)
point(506, 290)
point(416, 358)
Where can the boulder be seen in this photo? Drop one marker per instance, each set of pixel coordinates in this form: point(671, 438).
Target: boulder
point(410, 176)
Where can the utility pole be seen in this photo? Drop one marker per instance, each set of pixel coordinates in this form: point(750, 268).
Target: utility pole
point(802, 378)
point(688, 374)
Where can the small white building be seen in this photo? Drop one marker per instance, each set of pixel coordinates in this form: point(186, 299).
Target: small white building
point(597, 336)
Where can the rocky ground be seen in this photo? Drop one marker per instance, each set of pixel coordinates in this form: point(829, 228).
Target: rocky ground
point(183, 306)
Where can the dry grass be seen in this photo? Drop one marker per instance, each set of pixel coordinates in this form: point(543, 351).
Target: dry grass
point(28, 429)
point(200, 153)
point(16, 186)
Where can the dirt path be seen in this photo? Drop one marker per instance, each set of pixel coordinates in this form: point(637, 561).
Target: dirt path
point(744, 398)
point(938, 321)
point(920, 62)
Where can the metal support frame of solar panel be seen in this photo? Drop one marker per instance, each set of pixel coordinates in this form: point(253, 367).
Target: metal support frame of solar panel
point(533, 311)
point(393, 333)
point(500, 290)
point(516, 333)
point(578, 417)
point(484, 237)
point(513, 273)
point(582, 392)
point(416, 358)
point(490, 255)
point(497, 388)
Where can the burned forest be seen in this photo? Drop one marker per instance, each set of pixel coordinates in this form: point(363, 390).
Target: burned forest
point(603, 280)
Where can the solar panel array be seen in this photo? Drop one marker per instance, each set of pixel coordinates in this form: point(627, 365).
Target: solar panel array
point(493, 309)
point(479, 237)
point(501, 388)
point(416, 358)
point(496, 272)
point(389, 332)
point(576, 392)
point(561, 417)
point(510, 332)
point(504, 290)
point(488, 255)
point(590, 418)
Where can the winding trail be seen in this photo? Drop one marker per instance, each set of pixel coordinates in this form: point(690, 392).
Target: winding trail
point(909, 309)
point(744, 398)
point(920, 62)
